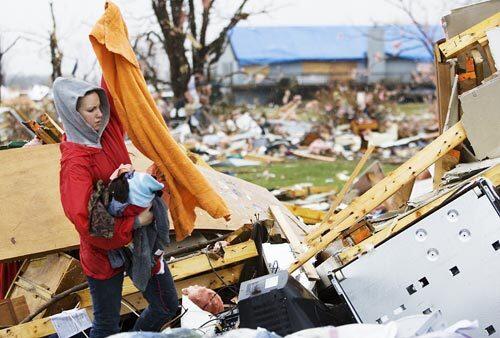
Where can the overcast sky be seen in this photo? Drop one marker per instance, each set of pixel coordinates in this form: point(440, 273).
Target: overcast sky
point(31, 18)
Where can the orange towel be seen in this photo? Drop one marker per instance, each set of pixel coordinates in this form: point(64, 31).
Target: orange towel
point(145, 126)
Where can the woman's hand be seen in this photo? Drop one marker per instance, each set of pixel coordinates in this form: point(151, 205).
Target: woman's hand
point(145, 218)
point(123, 168)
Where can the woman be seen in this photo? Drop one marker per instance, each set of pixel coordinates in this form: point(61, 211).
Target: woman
point(92, 149)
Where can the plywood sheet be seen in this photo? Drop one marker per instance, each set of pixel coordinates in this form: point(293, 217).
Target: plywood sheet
point(32, 220)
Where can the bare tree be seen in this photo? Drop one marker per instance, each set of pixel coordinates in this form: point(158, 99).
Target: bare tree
point(56, 55)
point(419, 30)
point(144, 46)
point(178, 21)
point(4, 51)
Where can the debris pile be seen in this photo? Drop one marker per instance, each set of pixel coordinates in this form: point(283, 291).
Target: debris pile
point(404, 254)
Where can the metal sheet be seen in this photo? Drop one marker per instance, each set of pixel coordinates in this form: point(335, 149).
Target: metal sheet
point(448, 262)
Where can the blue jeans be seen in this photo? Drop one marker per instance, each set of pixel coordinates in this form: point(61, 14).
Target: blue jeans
point(106, 298)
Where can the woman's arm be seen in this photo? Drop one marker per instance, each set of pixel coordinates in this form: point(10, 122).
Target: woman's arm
point(76, 188)
point(113, 115)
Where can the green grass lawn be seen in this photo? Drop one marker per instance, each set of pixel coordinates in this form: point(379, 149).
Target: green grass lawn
point(413, 108)
point(297, 171)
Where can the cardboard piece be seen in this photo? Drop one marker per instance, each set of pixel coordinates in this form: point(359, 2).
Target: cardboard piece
point(494, 44)
point(481, 120)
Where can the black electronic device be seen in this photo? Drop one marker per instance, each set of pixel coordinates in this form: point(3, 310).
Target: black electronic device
point(227, 321)
point(279, 303)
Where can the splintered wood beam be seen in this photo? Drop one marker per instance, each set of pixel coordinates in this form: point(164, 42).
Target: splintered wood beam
point(340, 196)
point(310, 216)
point(476, 34)
point(293, 239)
point(201, 263)
point(304, 154)
point(395, 180)
point(385, 189)
point(443, 87)
point(350, 253)
point(489, 59)
point(263, 158)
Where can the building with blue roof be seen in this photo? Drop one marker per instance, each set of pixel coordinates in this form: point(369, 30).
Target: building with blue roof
point(316, 55)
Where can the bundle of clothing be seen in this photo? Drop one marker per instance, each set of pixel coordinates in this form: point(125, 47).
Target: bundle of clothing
point(142, 257)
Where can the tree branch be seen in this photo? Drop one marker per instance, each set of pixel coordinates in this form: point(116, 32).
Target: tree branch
point(10, 46)
point(425, 39)
point(192, 18)
point(216, 47)
point(207, 6)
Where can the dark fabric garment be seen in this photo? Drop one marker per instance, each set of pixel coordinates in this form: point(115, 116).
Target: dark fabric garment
point(147, 241)
point(256, 266)
point(148, 244)
point(163, 303)
point(106, 300)
point(81, 167)
point(121, 258)
point(102, 223)
point(116, 208)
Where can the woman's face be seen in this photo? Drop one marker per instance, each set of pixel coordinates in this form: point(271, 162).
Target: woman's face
point(90, 109)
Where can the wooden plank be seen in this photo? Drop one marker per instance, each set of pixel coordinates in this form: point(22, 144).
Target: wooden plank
point(12, 311)
point(294, 192)
point(489, 59)
point(201, 263)
point(443, 87)
point(340, 196)
point(294, 240)
point(264, 158)
point(51, 124)
point(397, 179)
point(304, 154)
point(457, 44)
point(348, 254)
point(36, 328)
point(310, 216)
point(385, 189)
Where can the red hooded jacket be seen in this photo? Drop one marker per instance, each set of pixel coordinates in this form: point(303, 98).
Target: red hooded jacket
point(81, 167)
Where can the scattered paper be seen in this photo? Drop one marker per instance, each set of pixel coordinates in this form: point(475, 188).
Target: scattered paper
point(68, 323)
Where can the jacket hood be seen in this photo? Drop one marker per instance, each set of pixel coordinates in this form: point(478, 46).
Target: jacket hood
point(66, 93)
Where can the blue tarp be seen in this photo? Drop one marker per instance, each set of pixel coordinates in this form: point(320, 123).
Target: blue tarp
point(268, 45)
